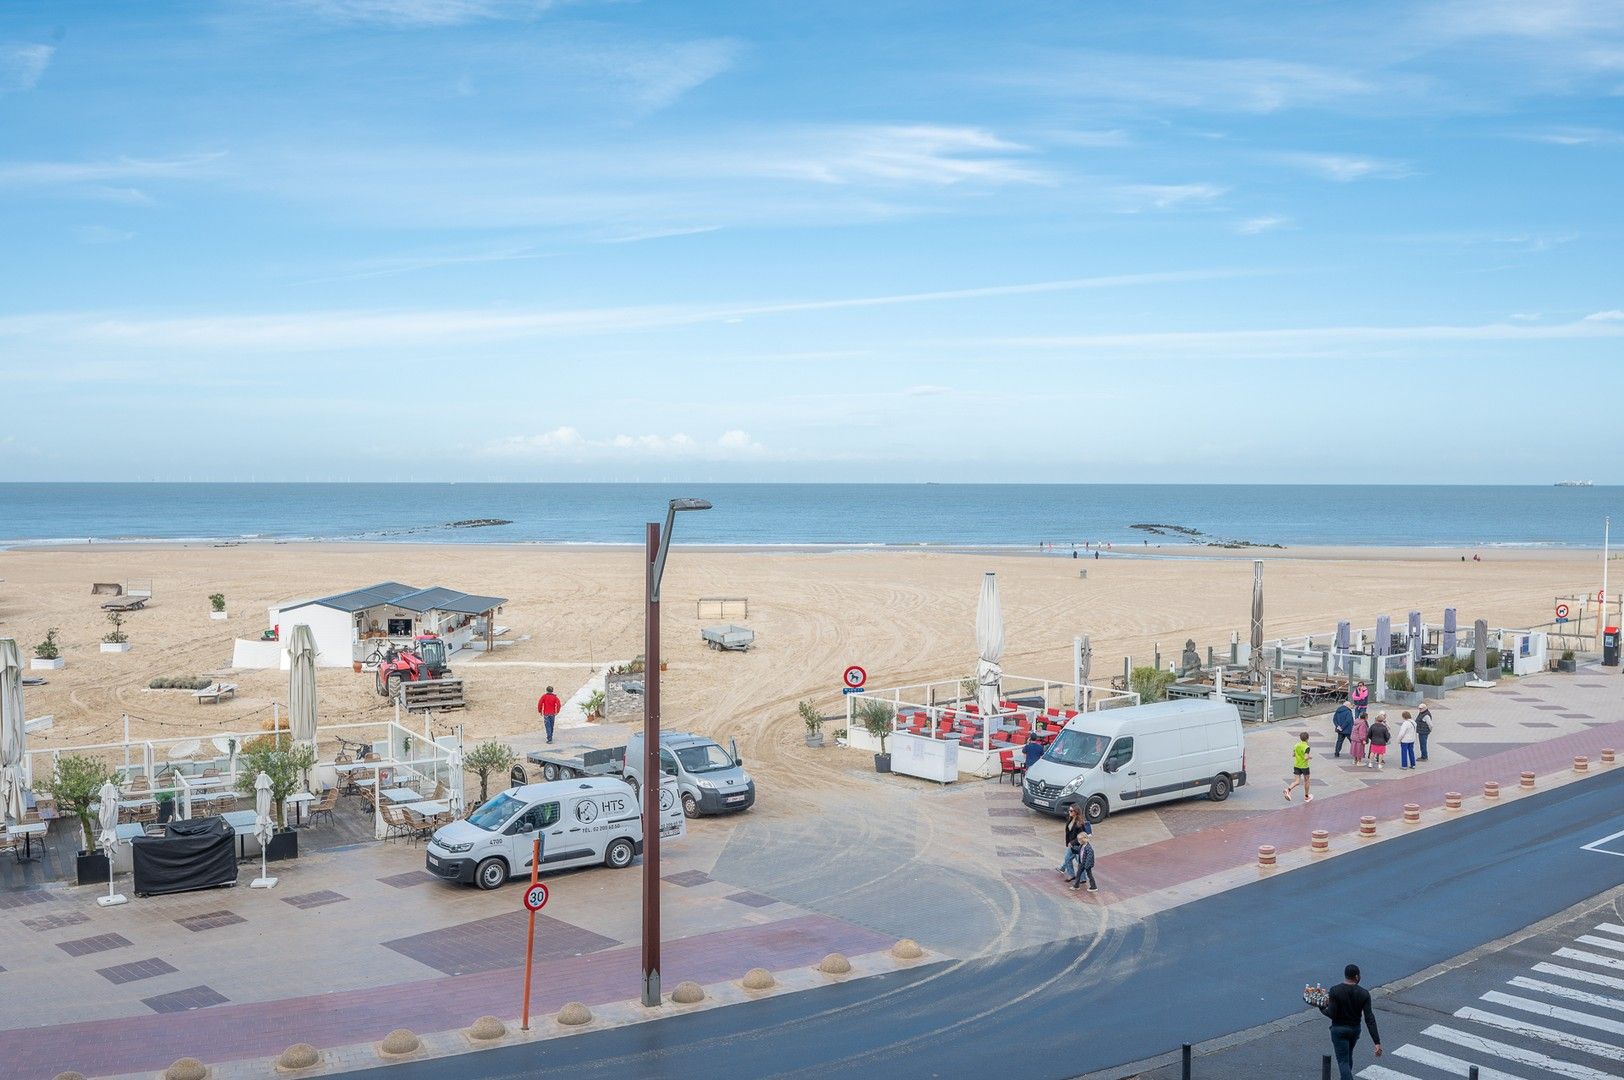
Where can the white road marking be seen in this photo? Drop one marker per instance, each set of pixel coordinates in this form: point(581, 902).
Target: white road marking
point(1611, 928)
point(1599, 1001)
point(1381, 1072)
point(1589, 958)
point(1545, 1034)
point(1600, 942)
point(1517, 1054)
point(1556, 1012)
point(1454, 1066)
point(1580, 976)
point(1596, 845)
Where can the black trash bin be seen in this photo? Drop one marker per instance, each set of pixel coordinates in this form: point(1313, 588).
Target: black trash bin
point(1609, 646)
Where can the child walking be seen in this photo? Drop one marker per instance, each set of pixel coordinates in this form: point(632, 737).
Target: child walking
point(1299, 768)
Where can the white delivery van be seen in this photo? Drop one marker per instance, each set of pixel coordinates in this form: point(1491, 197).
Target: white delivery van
point(582, 822)
point(1116, 758)
point(710, 780)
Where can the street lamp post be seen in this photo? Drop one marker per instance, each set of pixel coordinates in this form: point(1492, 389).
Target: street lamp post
point(658, 545)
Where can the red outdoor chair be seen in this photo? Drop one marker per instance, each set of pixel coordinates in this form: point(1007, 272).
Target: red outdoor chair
point(1008, 767)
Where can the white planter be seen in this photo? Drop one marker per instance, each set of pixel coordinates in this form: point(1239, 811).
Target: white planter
point(218, 614)
point(47, 665)
point(115, 646)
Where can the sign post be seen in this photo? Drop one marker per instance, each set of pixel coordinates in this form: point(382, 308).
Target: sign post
point(535, 898)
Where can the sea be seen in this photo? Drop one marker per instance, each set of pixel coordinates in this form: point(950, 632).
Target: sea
point(975, 516)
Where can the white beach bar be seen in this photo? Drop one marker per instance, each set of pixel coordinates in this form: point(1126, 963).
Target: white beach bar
point(352, 626)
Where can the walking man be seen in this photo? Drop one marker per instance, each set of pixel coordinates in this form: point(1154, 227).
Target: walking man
point(1299, 768)
point(1348, 1004)
point(548, 707)
point(1423, 728)
point(1342, 721)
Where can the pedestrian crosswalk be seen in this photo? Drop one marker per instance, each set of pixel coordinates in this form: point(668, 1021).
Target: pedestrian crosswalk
point(1565, 1018)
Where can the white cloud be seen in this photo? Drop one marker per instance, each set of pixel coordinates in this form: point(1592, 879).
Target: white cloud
point(1576, 136)
point(656, 75)
point(1614, 315)
point(917, 154)
point(568, 444)
point(22, 65)
point(1266, 223)
point(1344, 168)
point(419, 13)
point(1212, 85)
point(1134, 198)
point(110, 180)
point(101, 234)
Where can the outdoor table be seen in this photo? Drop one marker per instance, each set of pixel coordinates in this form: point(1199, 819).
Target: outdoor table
point(401, 794)
point(242, 823)
point(351, 766)
point(28, 832)
point(298, 801)
point(428, 808)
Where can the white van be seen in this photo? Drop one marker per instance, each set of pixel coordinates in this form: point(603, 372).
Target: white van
point(583, 822)
point(711, 780)
point(1117, 758)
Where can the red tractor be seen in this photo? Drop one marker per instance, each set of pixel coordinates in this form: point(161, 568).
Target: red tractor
point(425, 659)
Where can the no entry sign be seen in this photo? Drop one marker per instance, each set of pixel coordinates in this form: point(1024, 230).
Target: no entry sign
point(535, 897)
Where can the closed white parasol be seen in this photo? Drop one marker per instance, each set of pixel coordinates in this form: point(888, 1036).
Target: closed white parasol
point(990, 643)
point(12, 740)
point(264, 829)
point(107, 819)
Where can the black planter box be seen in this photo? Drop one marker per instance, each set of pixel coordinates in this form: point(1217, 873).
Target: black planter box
point(882, 762)
point(1570, 666)
point(166, 811)
point(93, 868)
point(283, 845)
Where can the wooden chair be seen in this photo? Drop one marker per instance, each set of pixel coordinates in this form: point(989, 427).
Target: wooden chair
point(324, 805)
point(139, 783)
point(11, 843)
point(146, 813)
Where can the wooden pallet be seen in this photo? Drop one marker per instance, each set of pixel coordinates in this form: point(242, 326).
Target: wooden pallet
point(431, 694)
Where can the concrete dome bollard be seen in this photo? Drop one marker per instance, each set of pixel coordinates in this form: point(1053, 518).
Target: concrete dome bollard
point(1526, 781)
point(907, 949)
point(486, 1028)
point(574, 1015)
point(1367, 828)
point(758, 979)
point(298, 1056)
point(69, 1076)
point(186, 1069)
point(399, 1043)
point(1581, 764)
point(1319, 841)
point(1451, 800)
point(835, 964)
point(688, 993)
point(1607, 756)
point(1412, 813)
point(1265, 857)
point(1491, 789)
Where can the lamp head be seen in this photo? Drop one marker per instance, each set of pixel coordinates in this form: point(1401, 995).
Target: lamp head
point(690, 504)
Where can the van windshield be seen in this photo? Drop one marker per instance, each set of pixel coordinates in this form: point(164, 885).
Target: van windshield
point(703, 759)
point(1079, 749)
point(496, 813)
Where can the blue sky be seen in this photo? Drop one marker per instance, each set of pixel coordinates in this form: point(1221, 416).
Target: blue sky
point(1079, 241)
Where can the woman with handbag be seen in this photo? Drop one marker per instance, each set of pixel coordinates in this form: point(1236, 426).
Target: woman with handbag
point(1077, 827)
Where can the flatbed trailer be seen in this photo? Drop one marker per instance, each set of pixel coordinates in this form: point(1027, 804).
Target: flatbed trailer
point(730, 638)
point(569, 762)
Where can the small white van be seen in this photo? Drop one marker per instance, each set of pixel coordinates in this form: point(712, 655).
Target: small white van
point(1117, 758)
point(583, 822)
point(709, 779)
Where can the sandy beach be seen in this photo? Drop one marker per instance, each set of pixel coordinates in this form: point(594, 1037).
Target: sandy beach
point(904, 616)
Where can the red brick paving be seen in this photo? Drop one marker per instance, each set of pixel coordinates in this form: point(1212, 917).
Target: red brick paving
point(264, 1029)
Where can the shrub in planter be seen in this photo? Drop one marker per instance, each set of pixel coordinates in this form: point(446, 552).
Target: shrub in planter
point(813, 722)
point(876, 717)
point(166, 806)
point(116, 640)
point(486, 759)
point(48, 649)
point(279, 758)
point(76, 783)
point(1150, 683)
point(217, 601)
point(284, 845)
point(1567, 663)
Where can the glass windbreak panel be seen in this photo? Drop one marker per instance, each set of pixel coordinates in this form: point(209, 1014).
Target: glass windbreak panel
point(496, 813)
point(1079, 749)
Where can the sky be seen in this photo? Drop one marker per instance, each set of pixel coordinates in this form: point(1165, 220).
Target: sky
point(917, 240)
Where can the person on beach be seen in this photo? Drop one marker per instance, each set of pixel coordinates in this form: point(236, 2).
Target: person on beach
point(1342, 721)
point(1346, 1005)
point(1299, 768)
point(1423, 728)
point(1085, 865)
point(1406, 741)
point(1360, 737)
point(549, 707)
point(1380, 736)
point(1360, 698)
point(1077, 827)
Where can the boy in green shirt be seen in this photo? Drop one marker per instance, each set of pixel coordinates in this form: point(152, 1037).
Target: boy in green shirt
point(1299, 768)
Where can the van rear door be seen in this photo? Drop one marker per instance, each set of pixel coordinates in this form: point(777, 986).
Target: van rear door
point(673, 822)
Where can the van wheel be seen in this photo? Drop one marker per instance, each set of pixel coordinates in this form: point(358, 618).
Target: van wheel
point(619, 854)
point(491, 874)
point(690, 806)
point(1220, 788)
point(549, 772)
point(1095, 809)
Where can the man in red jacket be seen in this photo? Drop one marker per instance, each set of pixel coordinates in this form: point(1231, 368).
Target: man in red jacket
point(548, 707)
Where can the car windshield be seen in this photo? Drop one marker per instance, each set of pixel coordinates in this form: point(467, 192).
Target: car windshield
point(496, 813)
point(706, 758)
point(1079, 749)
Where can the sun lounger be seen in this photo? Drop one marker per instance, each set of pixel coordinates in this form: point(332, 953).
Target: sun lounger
point(126, 603)
point(216, 692)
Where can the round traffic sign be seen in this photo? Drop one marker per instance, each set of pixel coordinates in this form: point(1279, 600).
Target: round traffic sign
point(535, 897)
point(1561, 611)
point(855, 676)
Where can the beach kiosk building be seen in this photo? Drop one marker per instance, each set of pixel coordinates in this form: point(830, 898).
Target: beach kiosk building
point(353, 625)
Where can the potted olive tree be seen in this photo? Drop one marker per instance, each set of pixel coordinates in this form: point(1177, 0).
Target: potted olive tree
point(285, 762)
point(876, 717)
point(813, 722)
point(115, 640)
point(217, 605)
point(75, 785)
point(485, 759)
point(48, 654)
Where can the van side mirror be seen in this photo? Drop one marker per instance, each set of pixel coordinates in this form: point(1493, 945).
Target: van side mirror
point(738, 761)
point(1111, 765)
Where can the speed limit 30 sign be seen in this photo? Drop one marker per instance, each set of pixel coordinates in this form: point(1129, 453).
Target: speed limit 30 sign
point(535, 897)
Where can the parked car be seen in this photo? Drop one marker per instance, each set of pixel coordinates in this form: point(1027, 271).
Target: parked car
point(710, 780)
point(1117, 758)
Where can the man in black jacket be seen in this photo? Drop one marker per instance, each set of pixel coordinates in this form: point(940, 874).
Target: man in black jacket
point(1349, 1004)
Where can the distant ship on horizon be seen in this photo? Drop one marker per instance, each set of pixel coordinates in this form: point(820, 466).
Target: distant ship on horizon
point(1574, 483)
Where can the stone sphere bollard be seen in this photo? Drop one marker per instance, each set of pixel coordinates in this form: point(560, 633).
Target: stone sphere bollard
point(1319, 841)
point(1581, 764)
point(574, 1015)
point(907, 949)
point(399, 1043)
point(298, 1056)
point(1491, 789)
point(1265, 857)
point(1367, 828)
point(1412, 813)
point(1451, 800)
point(1607, 755)
point(186, 1069)
point(486, 1028)
point(835, 964)
point(758, 979)
point(688, 993)
point(1526, 781)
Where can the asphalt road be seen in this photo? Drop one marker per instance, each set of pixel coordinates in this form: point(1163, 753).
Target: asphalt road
point(1226, 964)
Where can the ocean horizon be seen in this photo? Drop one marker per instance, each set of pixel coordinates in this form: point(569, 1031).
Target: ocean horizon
point(1014, 516)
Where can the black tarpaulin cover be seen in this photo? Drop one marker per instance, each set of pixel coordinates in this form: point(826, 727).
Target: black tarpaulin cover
point(196, 854)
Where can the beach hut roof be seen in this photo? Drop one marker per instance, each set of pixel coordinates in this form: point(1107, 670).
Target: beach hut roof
point(407, 598)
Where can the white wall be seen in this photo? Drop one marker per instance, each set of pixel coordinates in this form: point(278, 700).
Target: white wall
point(333, 630)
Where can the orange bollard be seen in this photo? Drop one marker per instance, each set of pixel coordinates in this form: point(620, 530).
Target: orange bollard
point(1265, 857)
point(1451, 800)
point(1491, 789)
point(1319, 841)
point(1527, 781)
point(1412, 813)
point(1367, 828)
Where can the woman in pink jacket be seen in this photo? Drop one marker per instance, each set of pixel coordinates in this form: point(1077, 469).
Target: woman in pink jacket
point(1361, 735)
